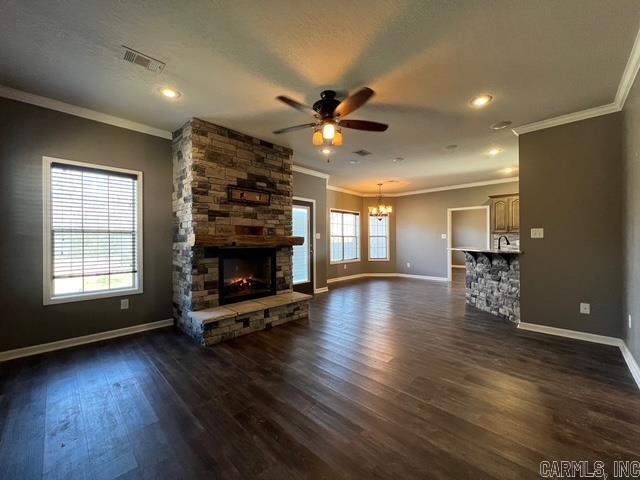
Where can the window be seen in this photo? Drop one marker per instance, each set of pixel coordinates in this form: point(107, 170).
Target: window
point(378, 238)
point(92, 245)
point(345, 236)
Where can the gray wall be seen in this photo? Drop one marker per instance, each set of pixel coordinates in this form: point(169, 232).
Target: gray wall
point(631, 219)
point(27, 133)
point(570, 184)
point(309, 186)
point(468, 229)
point(422, 219)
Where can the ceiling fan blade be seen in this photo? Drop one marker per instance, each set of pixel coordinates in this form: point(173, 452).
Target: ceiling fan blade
point(294, 128)
point(297, 105)
point(354, 102)
point(364, 125)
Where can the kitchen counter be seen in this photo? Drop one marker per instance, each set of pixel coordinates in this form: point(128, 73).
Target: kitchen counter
point(488, 250)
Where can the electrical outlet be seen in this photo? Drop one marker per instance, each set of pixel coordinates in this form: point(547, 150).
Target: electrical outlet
point(537, 233)
point(408, 264)
point(124, 304)
point(443, 236)
point(629, 321)
point(344, 266)
point(585, 308)
point(318, 236)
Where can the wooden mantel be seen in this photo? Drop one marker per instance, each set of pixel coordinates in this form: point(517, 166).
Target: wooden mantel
point(246, 241)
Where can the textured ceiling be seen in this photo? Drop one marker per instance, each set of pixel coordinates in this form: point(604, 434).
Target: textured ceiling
point(425, 60)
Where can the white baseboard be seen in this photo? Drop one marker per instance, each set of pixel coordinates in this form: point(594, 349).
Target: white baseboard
point(422, 277)
point(561, 332)
point(631, 363)
point(391, 274)
point(72, 342)
point(321, 290)
point(589, 337)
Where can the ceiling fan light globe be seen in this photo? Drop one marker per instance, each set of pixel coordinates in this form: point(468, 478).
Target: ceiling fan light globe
point(328, 131)
point(338, 139)
point(317, 138)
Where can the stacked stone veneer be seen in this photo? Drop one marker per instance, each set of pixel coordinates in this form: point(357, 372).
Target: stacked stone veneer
point(493, 283)
point(207, 159)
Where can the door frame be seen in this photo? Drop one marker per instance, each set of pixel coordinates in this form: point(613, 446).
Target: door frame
point(487, 209)
point(313, 237)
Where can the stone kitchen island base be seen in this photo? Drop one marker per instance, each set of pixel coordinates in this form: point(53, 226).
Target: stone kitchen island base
point(493, 282)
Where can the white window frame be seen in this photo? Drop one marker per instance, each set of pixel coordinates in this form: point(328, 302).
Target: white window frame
point(47, 280)
point(358, 237)
point(388, 258)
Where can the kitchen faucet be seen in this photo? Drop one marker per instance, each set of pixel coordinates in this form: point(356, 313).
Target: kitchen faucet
point(500, 241)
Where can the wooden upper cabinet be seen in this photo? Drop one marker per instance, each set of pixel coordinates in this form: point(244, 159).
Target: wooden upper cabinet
point(505, 213)
point(500, 217)
point(514, 210)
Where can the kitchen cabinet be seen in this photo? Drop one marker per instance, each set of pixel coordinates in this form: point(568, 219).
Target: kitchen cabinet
point(505, 213)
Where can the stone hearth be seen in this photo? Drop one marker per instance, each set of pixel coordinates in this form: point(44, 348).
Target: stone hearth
point(207, 161)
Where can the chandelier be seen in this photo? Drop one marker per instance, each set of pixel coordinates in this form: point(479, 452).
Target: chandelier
point(380, 210)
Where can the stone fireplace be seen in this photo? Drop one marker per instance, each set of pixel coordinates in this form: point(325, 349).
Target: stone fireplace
point(232, 248)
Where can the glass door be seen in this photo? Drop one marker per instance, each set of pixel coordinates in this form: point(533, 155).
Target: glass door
point(303, 254)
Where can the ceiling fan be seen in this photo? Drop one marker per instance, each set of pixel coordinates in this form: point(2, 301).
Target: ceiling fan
point(329, 113)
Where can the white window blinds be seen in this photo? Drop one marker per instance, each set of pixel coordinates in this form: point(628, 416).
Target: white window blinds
point(378, 238)
point(93, 229)
point(345, 236)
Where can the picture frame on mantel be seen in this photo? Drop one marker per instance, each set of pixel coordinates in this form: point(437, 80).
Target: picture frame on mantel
point(249, 196)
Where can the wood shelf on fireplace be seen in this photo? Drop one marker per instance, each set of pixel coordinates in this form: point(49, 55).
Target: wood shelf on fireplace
point(220, 240)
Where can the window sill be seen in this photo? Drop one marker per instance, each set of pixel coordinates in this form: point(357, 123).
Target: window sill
point(379, 259)
point(338, 262)
point(91, 296)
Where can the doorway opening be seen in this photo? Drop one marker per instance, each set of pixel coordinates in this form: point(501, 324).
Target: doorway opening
point(467, 227)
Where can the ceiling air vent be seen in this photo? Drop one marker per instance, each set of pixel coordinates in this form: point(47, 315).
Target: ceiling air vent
point(132, 56)
point(362, 152)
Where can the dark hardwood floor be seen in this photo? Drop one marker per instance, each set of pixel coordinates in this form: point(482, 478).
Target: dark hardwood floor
point(390, 379)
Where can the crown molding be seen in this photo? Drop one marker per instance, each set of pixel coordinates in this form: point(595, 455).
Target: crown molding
point(308, 171)
point(344, 190)
point(624, 87)
point(51, 104)
point(629, 74)
point(495, 181)
point(568, 118)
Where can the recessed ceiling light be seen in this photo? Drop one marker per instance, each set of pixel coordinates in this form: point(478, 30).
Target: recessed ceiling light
point(326, 151)
point(398, 160)
point(451, 147)
point(501, 125)
point(494, 151)
point(480, 101)
point(354, 162)
point(170, 93)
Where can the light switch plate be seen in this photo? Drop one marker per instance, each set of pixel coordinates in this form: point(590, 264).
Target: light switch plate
point(408, 264)
point(318, 237)
point(443, 236)
point(537, 233)
point(585, 308)
point(124, 304)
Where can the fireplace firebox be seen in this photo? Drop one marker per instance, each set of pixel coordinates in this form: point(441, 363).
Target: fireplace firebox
point(246, 273)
